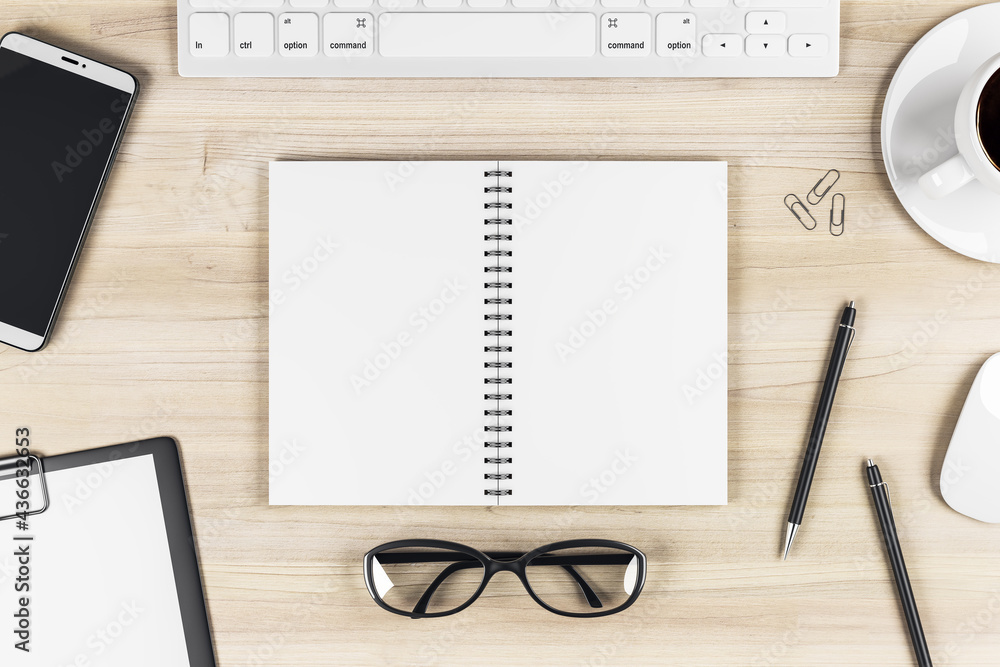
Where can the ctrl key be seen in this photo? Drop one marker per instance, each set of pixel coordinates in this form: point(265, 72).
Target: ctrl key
point(675, 35)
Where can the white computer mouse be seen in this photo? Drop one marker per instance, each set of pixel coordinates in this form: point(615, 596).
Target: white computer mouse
point(970, 476)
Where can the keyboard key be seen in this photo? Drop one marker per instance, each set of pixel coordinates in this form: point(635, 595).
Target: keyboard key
point(709, 3)
point(347, 35)
point(764, 46)
point(253, 34)
point(487, 34)
point(765, 23)
point(575, 4)
point(397, 4)
point(298, 34)
point(620, 3)
point(209, 35)
point(781, 4)
point(806, 46)
point(532, 3)
point(626, 34)
point(353, 4)
point(442, 4)
point(675, 35)
point(665, 3)
point(308, 4)
point(237, 4)
point(722, 45)
point(490, 4)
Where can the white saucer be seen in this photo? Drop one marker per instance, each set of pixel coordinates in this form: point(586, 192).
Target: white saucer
point(918, 131)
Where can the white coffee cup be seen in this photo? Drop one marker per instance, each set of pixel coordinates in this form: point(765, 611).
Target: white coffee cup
point(972, 163)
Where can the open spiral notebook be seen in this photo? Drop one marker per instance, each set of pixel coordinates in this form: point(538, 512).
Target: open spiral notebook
point(498, 332)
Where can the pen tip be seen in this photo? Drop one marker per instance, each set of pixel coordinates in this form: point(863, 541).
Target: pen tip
point(789, 536)
point(851, 305)
point(871, 463)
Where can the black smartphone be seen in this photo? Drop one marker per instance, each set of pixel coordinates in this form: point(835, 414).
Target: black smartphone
point(62, 118)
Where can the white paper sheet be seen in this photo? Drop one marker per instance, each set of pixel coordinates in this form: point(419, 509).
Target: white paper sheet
point(377, 333)
point(620, 303)
point(102, 585)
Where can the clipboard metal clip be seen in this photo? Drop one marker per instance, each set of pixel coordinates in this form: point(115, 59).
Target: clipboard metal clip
point(12, 464)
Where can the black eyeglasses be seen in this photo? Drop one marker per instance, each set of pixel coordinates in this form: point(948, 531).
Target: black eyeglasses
point(431, 578)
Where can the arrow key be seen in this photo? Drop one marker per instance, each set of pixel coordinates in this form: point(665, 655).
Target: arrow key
point(765, 23)
point(722, 45)
point(764, 46)
point(806, 46)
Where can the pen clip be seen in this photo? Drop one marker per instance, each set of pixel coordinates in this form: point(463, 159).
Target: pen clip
point(853, 333)
point(887, 496)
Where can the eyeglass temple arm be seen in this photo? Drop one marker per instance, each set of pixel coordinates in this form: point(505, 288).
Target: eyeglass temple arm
point(592, 598)
point(425, 599)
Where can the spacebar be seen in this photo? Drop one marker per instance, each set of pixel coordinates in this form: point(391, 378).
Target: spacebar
point(485, 35)
point(781, 4)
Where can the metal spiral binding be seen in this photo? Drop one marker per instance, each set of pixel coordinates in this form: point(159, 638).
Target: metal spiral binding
point(498, 328)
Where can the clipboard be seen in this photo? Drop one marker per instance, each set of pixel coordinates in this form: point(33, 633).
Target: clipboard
point(87, 492)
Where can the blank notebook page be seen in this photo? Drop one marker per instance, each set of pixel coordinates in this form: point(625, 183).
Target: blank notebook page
point(617, 375)
point(376, 344)
point(619, 300)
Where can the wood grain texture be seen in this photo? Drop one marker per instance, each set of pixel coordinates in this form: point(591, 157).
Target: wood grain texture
point(164, 332)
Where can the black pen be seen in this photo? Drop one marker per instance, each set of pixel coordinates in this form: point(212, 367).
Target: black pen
point(845, 336)
point(883, 508)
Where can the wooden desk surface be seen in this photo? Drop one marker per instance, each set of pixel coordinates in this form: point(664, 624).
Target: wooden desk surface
point(164, 332)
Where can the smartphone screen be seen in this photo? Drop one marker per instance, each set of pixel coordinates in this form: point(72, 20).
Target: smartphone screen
point(60, 130)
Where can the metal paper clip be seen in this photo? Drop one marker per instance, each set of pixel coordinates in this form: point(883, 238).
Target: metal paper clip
point(822, 186)
point(12, 464)
point(802, 214)
point(837, 228)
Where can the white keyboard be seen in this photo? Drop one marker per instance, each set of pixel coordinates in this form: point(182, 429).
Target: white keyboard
point(508, 38)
